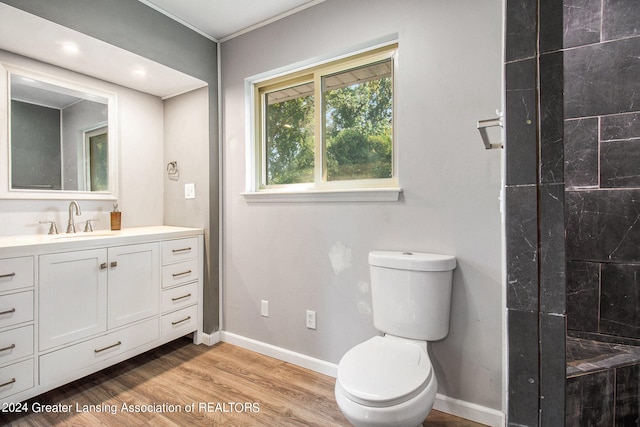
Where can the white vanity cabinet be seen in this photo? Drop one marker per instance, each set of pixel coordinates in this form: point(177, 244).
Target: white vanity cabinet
point(17, 339)
point(133, 291)
point(74, 305)
point(180, 273)
point(72, 295)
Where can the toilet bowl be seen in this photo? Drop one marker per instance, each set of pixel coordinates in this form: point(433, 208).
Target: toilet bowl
point(388, 380)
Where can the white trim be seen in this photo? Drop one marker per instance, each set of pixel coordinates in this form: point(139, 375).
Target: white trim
point(317, 365)
point(6, 192)
point(469, 411)
point(459, 408)
point(211, 339)
point(323, 59)
point(271, 20)
point(252, 155)
point(343, 195)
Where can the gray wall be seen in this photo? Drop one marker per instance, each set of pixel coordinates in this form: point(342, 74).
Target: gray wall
point(448, 78)
point(133, 26)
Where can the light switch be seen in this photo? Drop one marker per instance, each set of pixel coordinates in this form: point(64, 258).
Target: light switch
point(190, 191)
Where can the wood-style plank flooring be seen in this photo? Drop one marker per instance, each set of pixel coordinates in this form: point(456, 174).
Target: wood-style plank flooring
point(189, 385)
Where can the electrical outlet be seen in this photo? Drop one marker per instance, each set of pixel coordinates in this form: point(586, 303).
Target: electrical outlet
point(264, 308)
point(311, 319)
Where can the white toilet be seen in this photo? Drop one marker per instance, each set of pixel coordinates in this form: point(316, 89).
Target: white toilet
point(388, 380)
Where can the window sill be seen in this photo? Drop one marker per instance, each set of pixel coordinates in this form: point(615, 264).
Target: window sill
point(306, 196)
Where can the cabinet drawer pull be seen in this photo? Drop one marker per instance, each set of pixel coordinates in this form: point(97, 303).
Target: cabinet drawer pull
point(4, 276)
point(175, 251)
point(114, 263)
point(103, 266)
point(11, 381)
point(179, 298)
point(100, 350)
point(13, 310)
point(184, 273)
point(10, 347)
point(181, 321)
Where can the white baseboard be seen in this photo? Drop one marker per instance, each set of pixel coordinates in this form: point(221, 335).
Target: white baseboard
point(317, 365)
point(211, 339)
point(469, 411)
point(459, 408)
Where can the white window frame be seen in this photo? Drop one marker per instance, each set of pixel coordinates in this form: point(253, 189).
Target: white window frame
point(386, 189)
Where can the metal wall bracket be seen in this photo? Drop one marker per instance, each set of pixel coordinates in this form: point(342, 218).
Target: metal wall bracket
point(482, 128)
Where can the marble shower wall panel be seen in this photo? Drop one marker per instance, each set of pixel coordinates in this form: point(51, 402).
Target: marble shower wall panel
point(603, 225)
point(521, 133)
point(552, 249)
point(627, 395)
point(583, 296)
point(553, 368)
point(620, 19)
point(522, 248)
point(551, 120)
point(524, 372)
point(581, 151)
point(601, 79)
point(592, 400)
point(620, 151)
point(521, 32)
point(620, 300)
point(582, 20)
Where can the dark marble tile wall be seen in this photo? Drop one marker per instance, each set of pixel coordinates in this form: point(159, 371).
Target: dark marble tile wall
point(534, 203)
point(627, 402)
point(602, 165)
point(602, 199)
point(590, 400)
point(609, 398)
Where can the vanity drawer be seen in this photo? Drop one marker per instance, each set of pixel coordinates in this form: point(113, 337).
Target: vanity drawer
point(179, 297)
point(65, 361)
point(180, 322)
point(16, 378)
point(176, 274)
point(16, 343)
point(179, 250)
point(16, 308)
point(16, 273)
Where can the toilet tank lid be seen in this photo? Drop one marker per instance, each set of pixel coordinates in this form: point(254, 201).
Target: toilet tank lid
point(412, 261)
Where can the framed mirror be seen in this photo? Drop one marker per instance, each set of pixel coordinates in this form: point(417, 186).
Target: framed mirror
point(61, 141)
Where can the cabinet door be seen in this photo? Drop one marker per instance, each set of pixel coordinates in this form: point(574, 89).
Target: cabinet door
point(73, 296)
point(134, 283)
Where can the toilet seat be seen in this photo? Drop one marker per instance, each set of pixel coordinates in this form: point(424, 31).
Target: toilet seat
point(384, 371)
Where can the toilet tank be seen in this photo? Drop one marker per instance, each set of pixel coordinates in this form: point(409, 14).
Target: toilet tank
point(411, 293)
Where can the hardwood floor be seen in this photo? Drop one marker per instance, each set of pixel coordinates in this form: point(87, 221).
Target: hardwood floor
point(181, 384)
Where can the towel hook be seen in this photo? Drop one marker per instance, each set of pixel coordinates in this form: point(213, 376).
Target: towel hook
point(172, 170)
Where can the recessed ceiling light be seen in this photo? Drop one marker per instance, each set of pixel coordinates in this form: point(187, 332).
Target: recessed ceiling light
point(70, 48)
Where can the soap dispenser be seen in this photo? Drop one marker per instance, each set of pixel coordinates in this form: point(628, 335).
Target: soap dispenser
point(116, 218)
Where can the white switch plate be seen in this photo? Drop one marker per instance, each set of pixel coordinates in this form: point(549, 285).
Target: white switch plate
point(264, 308)
point(190, 191)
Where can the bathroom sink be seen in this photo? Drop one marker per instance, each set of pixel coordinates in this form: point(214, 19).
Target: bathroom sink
point(87, 235)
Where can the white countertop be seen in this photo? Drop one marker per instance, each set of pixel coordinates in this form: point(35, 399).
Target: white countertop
point(40, 243)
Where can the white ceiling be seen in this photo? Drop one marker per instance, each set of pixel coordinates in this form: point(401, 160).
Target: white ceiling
point(31, 36)
point(223, 19)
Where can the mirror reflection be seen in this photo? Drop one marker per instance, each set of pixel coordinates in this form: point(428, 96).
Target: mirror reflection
point(59, 137)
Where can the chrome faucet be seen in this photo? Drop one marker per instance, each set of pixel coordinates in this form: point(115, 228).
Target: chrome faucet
point(71, 226)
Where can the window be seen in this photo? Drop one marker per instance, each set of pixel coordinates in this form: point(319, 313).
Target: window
point(329, 127)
